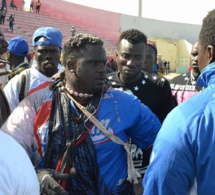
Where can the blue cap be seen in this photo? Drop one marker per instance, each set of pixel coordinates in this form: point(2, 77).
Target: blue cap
point(18, 46)
point(53, 35)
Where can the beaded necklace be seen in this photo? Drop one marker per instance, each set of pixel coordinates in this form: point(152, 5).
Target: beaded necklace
point(75, 93)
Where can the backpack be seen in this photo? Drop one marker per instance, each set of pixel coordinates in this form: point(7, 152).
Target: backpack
point(24, 82)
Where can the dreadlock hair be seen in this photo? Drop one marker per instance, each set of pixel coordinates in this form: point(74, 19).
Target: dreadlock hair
point(133, 36)
point(75, 46)
point(207, 33)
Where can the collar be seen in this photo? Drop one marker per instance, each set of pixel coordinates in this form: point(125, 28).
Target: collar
point(22, 64)
point(207, 76)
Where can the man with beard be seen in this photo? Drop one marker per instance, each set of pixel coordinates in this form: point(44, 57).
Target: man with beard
point(184, 86)
point(47, 42)
point(81, 126)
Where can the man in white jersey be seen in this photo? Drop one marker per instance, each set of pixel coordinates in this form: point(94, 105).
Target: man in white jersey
point(47, 42)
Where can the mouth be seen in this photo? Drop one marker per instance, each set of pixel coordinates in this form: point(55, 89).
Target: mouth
point(49, 65)
point(101, 80)
point(195, 65)
point(130, 71)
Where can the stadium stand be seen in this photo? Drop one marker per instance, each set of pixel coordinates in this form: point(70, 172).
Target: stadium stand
point(63, 16)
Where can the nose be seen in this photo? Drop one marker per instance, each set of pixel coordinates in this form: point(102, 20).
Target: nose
point(101, 68)
point(131, 62)
point(49, 55)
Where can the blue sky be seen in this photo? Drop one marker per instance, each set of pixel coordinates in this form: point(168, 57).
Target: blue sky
point(184, 11)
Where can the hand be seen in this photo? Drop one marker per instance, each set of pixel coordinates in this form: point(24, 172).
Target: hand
point(48, 186)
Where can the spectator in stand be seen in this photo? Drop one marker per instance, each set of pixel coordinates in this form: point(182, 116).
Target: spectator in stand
point(184, 86)
point(4, 5)
point(182, 160)
point(11, 22)
point(32, 6)
point(38, 5)
point(15, 55)
point(47, 42)
point(12, 4)
point(73, 31)
point(3, 15)
point(153, 91)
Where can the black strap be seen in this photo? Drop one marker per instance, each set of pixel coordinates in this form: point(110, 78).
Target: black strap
point(22, 90)
point(61, 114)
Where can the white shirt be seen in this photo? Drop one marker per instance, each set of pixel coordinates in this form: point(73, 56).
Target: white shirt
point(36, 79)
point(17, 174)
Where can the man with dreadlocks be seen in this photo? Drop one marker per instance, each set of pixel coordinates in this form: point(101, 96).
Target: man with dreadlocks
point(182, 160)
point(77, 132)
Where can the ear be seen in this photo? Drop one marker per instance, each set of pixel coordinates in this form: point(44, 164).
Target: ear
point(7, 54)
point(71, 65)
point(210, 53)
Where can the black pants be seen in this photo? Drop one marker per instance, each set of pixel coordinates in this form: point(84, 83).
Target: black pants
point(2, 19)
point(37, 9)
point(11, 26)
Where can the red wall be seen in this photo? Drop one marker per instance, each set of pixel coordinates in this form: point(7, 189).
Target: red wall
point(93, 20)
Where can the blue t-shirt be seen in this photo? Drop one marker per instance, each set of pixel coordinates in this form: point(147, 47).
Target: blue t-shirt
point(128, 118)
